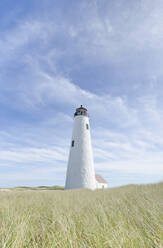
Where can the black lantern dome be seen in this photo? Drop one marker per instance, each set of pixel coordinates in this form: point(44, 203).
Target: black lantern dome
point(81, 111)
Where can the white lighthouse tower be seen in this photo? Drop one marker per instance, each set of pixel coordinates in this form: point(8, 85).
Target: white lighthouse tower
point(80, 170)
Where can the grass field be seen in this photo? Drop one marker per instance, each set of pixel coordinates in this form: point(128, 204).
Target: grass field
point(130, 216)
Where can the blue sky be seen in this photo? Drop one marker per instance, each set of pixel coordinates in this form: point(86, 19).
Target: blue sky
point(56, 55)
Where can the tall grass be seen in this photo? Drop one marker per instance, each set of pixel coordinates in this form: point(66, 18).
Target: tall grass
point(130, 216)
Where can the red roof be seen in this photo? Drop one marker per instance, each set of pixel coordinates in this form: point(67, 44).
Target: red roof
point(100, 179)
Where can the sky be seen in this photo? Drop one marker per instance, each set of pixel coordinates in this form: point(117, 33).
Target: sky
point(56, 55)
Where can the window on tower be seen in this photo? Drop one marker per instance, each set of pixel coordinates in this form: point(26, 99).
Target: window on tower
point(87, 126)
point(72, 144)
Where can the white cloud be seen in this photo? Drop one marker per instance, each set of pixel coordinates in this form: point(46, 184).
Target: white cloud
point(113, 33)
point(33, 174)
point(29, 154)
point(44, 89)
point(148, 164)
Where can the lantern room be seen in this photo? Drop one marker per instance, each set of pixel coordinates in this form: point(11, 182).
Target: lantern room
point(81, 111)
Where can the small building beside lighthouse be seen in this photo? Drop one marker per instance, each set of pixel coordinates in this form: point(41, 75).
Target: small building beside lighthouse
point(101, 183)
point(80, 170)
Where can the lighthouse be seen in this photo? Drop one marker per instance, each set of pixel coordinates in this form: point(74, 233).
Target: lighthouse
point(80, 170)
